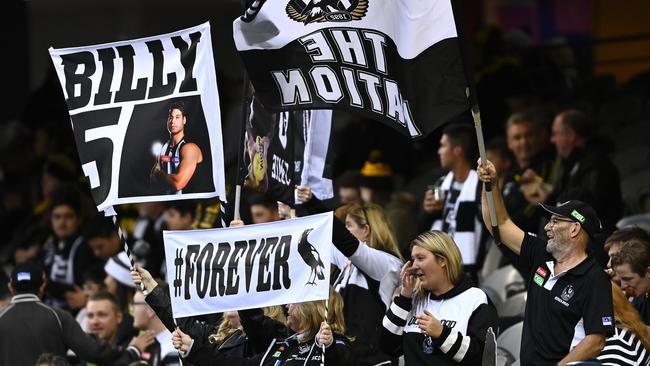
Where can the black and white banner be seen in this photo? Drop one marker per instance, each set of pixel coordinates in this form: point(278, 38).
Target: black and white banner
point(248, 267)
point(145, 116)
point(286, 149)
point(396, 61)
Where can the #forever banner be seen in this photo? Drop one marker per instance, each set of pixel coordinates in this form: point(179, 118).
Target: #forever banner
point(145, 116)
point(395, 61)
point(246, 267)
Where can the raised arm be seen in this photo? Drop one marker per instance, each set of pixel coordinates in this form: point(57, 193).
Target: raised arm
point(260, 329)
point(509, 233)
point(158, 299)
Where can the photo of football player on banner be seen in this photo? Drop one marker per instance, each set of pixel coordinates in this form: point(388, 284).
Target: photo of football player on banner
point(145, 115)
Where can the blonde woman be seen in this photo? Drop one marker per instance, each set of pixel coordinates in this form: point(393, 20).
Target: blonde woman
point(440, 317)
point(242, 333)
point(230, 336)
point(368, 261)
point(630, 344)
point(303, 348)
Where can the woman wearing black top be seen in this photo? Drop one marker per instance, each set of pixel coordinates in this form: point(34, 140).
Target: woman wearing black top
point(305, 347)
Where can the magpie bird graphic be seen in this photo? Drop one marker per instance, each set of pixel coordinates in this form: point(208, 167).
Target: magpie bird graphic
point(309, 11)
point(311, 257)
point(316, 8)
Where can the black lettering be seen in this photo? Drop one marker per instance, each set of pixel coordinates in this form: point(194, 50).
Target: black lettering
point(232, 286)
point(218, 264)
point(70, 63)
point(448, 323)
point(188, 57)
point(192, 250)
point(158, 89)
point(281, 265)
point(203, 268)
point(104, 94)
point(263, 276)
point(279, 170)
point(126, 94)
point(250, 257)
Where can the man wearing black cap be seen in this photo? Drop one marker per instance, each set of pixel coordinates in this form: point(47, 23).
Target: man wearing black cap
point(29, 328)
point(568, 310)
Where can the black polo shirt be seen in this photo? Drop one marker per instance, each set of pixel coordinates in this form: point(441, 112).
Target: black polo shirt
point(561, 308)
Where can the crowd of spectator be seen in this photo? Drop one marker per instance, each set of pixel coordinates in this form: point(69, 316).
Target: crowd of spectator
point(411, 240)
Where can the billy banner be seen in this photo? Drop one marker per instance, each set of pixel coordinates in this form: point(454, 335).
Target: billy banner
point(395, 61)
point(145, 116)
point(246, 267)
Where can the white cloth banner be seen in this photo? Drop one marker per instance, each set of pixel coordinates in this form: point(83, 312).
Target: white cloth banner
point(394, 61)
point(145, 116)
point(316, 142)
point(248, 267)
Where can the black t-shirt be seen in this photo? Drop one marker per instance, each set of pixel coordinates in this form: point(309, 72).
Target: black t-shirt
point(561, 308)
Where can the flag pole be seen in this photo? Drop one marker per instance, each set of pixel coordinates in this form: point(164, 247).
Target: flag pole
point(240, 155)
point(476, 115)
point(470, 93)
point(126, 248)
point(322, 360)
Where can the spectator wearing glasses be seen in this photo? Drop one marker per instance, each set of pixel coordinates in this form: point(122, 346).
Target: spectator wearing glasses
point(569, 312)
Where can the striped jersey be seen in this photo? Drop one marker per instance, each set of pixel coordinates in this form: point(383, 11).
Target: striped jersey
point(624, 348)
point(170, 160)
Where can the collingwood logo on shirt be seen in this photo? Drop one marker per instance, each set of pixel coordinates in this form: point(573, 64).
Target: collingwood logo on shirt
point(566, 295)
point(311, 11)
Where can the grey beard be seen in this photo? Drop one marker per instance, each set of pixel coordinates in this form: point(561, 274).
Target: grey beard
point(557, 250)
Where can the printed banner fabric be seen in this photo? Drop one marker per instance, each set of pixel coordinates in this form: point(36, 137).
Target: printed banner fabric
point(248, 267)
point(286, 149)
point(145, 116)
point(395, 61)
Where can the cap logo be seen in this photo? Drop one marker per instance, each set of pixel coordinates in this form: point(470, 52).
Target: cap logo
point(23, 276)
point(578, 216)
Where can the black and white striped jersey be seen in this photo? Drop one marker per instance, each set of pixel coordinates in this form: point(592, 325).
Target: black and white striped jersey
point(624, 348)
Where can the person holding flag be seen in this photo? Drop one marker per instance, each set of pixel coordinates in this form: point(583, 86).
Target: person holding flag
point(303, 348)
point(368, 262)
point(569, 311)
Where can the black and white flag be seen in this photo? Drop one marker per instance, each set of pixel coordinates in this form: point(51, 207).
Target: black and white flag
point(145, 116)
point(286, 149)
point(246, 267)
point(395, 61)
